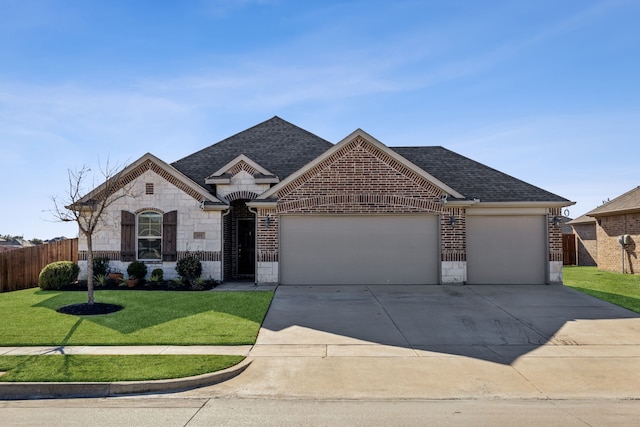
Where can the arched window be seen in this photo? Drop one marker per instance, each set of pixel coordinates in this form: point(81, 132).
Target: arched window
point(149, 233)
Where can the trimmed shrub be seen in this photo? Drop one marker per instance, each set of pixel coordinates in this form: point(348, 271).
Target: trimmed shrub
point(58, 275)
point(137, 270)
point(100, 266)
point(189, 267)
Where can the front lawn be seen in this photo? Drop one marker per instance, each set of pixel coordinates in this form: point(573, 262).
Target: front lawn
point(617, 288)
point(29, 318)
point(83, 368)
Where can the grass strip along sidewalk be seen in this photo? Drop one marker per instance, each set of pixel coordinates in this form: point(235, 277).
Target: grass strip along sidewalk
point(86, 368)
point(148, 318)
point(616, 288)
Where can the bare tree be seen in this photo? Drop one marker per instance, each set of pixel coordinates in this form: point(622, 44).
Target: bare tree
point(88, 209)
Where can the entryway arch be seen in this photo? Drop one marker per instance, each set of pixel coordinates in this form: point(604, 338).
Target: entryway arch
point(239, 238)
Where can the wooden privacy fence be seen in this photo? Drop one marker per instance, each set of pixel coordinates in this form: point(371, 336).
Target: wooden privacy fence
point(569, 249)
point(20, 268)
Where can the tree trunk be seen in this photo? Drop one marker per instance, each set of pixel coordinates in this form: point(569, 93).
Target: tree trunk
point(90, 299)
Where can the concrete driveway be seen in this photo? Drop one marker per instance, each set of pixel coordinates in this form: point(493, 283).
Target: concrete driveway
point(441, 342)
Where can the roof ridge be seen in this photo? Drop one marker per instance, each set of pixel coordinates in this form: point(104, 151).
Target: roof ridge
point(274, 119)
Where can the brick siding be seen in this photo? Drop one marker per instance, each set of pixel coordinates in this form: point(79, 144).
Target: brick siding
point(361, 179)
point(609, 254)
point(554, 235)
point(267, 250)
point(453, 240)
point(242, 166)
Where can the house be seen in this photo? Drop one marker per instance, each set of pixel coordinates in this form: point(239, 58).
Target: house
point(618, 221)
point(277, 204)
point(584, 228)
point(14, 243)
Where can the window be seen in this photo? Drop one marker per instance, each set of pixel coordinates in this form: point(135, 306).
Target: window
point(149, 234)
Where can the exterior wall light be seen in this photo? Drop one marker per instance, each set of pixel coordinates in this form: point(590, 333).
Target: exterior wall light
point(267, 221)
point(557, 221)
point(452, 220)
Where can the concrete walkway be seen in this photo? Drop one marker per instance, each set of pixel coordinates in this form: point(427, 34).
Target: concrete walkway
point(440, 342)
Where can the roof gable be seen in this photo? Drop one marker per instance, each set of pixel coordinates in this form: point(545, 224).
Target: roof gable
point(628, 202)
point(278, 146)
point(241, 163)
point(149, 162)
point(395, 160)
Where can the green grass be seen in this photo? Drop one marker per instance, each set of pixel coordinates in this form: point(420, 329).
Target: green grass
point(617, 288)
point(29, 318)
point(82, 368)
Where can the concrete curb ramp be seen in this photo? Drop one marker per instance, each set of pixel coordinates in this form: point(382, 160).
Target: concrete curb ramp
point(17, 390)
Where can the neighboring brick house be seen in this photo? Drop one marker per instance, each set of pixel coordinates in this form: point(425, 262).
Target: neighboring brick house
point(618, 217)
point(584, 227)
point(277, 204)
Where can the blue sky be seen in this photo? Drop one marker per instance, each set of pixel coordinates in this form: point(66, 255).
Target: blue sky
point(546, 91)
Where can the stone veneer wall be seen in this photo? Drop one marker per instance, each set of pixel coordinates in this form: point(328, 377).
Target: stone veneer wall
point(192, 222)
point(241, 181)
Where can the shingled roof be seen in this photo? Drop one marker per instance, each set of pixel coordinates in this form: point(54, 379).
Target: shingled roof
point(628, 202)
point(282, 148)
point(277, 145)
point(472, 179)
point(581, 220)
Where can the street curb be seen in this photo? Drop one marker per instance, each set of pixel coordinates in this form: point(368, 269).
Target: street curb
point(53, 390)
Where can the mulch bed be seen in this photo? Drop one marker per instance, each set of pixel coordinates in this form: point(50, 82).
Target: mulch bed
point(81, 285)
point(86, 309)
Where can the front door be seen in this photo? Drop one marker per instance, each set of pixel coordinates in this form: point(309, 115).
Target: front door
point(246, 247)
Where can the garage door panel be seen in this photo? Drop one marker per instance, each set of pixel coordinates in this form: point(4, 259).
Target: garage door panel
point(506, 249)
point(358, 249)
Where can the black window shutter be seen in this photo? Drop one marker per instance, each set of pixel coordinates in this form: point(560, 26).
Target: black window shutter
point(127, 236)
point(170, 236)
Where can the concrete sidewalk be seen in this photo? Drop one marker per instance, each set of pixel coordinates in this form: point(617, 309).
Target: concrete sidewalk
point(239, 350)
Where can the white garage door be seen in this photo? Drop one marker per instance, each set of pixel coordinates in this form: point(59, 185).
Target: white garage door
point(506, 249)
point(358, 249)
